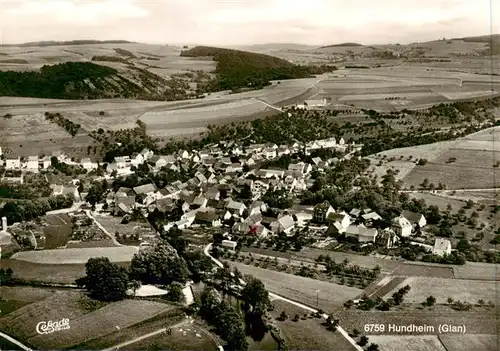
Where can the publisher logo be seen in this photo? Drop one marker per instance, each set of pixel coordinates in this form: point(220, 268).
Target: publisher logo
point(49, 327)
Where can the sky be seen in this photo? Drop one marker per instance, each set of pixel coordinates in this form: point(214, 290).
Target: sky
point(246, 22)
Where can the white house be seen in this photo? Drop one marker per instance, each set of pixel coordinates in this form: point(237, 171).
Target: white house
point(45, 162)
point(340, 221)
point(13, 163)
point(87, 164)
point(146, 154)
point(402, 226)
point(441, 247)
point(32, 164)
point(122, 161)
point(283, 225)
point(236, 207)
point(137, 159)
point(183, 154)
point(231, 245)
point(416, 219)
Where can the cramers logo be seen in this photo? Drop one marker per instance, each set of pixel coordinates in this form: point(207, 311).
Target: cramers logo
point(49, 327)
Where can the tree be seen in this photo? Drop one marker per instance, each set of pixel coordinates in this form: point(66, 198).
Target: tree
point(450, 300)
point(162, 265)
point(430, 301)
point(246, 192)
point(176, 238)
point(104, 280)
point(372, 347)
point(283, 316)
point(363, 340)
point(175, 292)
point(255, 296)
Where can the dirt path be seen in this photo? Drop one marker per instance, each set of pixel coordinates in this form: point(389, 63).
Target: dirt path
point(146, 336)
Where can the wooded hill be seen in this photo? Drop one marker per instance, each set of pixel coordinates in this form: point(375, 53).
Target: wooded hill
point(85, 80)
point(238, 69)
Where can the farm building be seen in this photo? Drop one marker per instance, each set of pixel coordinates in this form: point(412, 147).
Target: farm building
point(416, 219)
point(441, 247)
point(402, 226)
point(361, 233)
point(283, 225)
point(229, 244)
point(321, 212)
point(13, 163)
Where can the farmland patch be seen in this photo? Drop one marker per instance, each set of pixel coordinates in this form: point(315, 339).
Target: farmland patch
point(442, 289)
point(470, 342)
point(302, 289)
point(101, 322)
point(408, 342)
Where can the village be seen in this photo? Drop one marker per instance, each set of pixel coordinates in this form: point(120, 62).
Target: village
point(226, 193)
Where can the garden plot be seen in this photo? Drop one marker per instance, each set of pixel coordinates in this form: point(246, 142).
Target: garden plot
point(442, 289)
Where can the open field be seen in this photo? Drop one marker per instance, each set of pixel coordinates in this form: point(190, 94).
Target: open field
point(13, 298)
point(21, 323)
point(185, 337)
point(469, 342)
point(442, 289)
point(160, 321)
point(394, 267)
point(308, 333)
point(48, 273)
point(76, 256)
point(408, 342)
point(101, 322)
point(475, 322)
point(475, 156)
point(330, 297)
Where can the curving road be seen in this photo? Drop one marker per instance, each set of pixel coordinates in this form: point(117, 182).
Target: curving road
point(15, 342)
point(206, 251)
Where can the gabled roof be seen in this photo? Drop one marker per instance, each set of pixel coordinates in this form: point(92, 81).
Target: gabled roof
point(336, 217)
point(145, 189)
point(286, 222)
point(442, 244)
point(371, 215)
point(234, 205)
point(217, 204)
point(355, 212)
point(413, 217)
point(207, 216)
point(401, 221)
point(361, 231)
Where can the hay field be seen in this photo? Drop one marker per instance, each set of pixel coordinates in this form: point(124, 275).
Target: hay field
point(441, 289)
point(307, 333)
point(331, 296)
point(77, 256)
point(101, 322)
point(476, 154)
point(21, 323)
point(472, 170)
point(469, 342)
point(408, 342)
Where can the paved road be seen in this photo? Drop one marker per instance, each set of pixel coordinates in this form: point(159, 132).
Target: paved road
point(105, 231)
point(206, 251)
point(14, 341)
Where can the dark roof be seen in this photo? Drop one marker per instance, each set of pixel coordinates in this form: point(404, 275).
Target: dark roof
point(208, 216)
point(413, 217)
point(217, 204)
